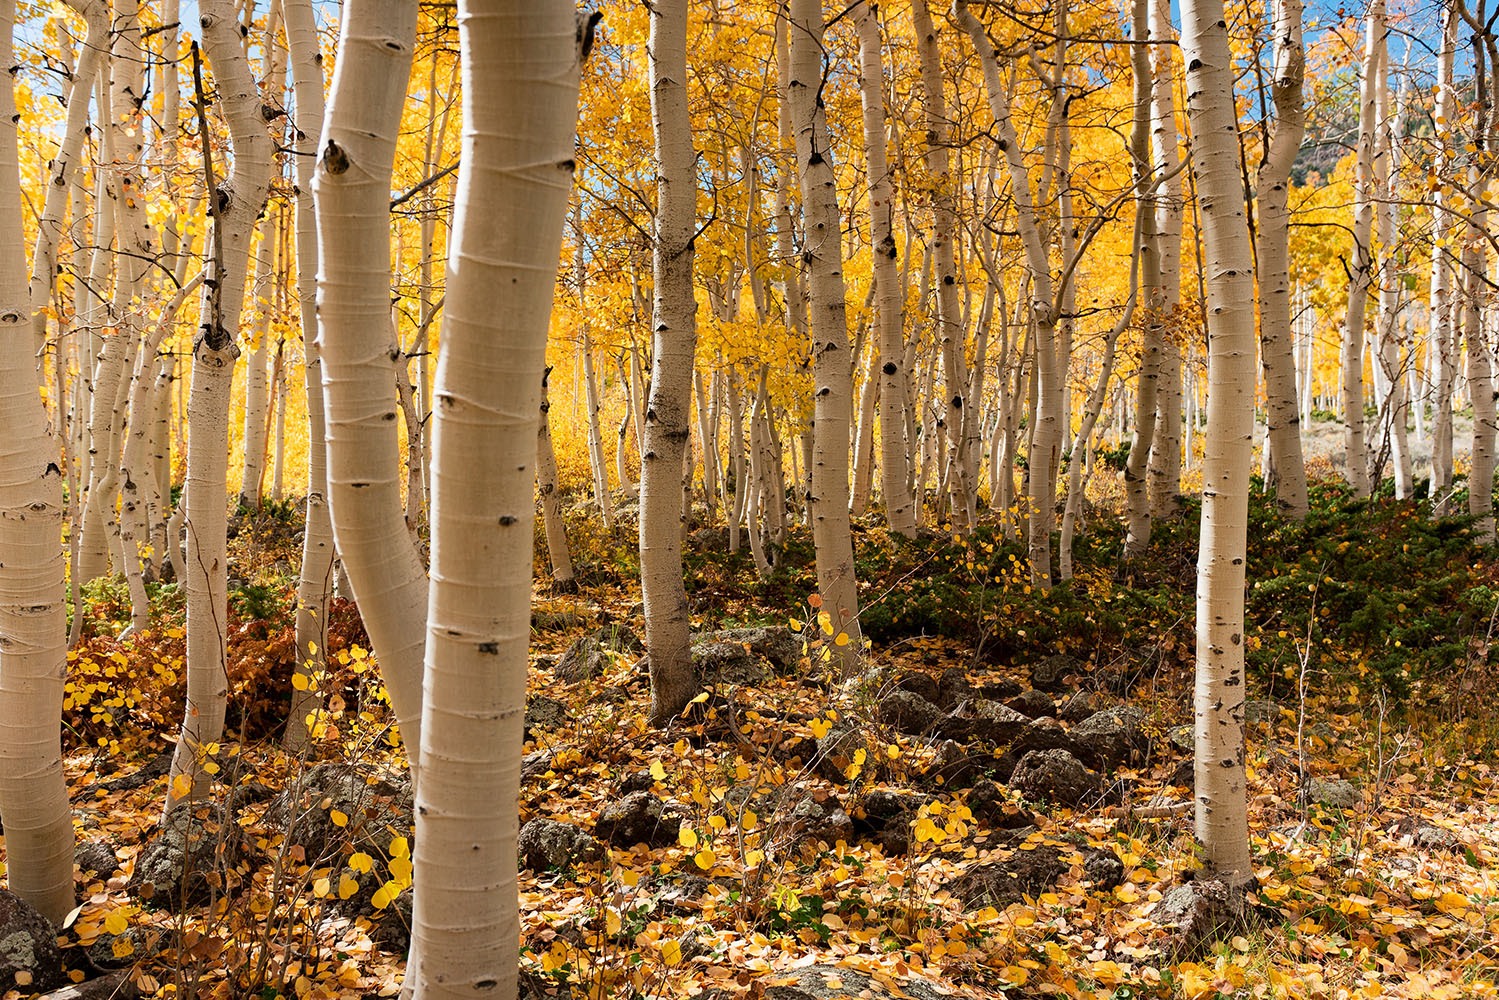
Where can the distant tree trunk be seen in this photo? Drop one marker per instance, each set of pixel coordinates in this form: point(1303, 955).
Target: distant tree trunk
point(1444, 346)
point(233, 209)
point(1164, 471)
point(833, 382)
point(1273, 189)
point(1361, 267)
point(1222, 823)
point(597, 463)
point(1389, 332)
point(563, 580)
point(668, 413)
point(360, 349)
point(944, 230)
point(33, 651)
point(315, 579)
point(519, 108)
point(257, 386)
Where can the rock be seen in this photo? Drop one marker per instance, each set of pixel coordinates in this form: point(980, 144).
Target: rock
point(920, 684)
point(377, 807)
point(1261, 711)
point(1001, 690)
point(1115, 737)
point(836, 750)
point(954, 688)
point(728, 663)
point(1051, 673)
point(1023, 873)
point(116, 985)
point(1182, 738)
point(678, 893)
point(1054, 776)
point(1337, 793)
point(94, 857)
point(638, 818)
point(635, 781)
point(996, 724)
point(1103, 868)
point(1194, 914)
point(1419, 833)
point(1033, 704)
point(154, 768)
point(121, 951)
point(1184, 775)
point(990, 804)
point(1077, 708)
point(584, 660)
point(547, 843)
point(886, 816)
point(535, 764)
point(1042, 734)
point(29, 956)
point(547, 620)
point(543, 712)
point(836, 982)
point(815, 817)
point(908, 713)
point(189, 861)
point(776, 644)
point(957, 767)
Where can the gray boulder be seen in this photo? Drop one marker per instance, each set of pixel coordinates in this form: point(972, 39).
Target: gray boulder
point(1054, 776)
point(1195, 914)
point(1023, 873)
point(907, 712)
point(584, 660)
point(776, 644)
point(189, 861)
point(1051, 673)
point(1033, 704)
point(1115, 737)
point(94, 857)
point(810, 817)
point(728, 663)
point(1042, 734)
point(377, 806)
point(1336, 793)
point(547, 843)
point(543, 712)
point(29, 956)
point(637, 818)
point(837, 748)
point(835, 982)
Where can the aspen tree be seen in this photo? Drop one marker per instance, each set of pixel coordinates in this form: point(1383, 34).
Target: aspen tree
point(520, 98)
point(1164, 470)
point(1273, 251)
point(358, 346)
point(33, 653)
point(822, 253)
point(1361, 267)
point(1440, 303)
point(1388, 331)
point(315, 578)
point(233, 207)
point(563, 580)
point(667, 417)
point(596, 461)
point(1221, 804)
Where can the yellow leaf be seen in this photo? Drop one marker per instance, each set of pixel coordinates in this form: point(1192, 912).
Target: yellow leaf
point(338, 818)
point(384, 895)
point(702, 697)
point(116, 923)
point(753, 858)
point(671, 952)
point(347, 887)
point(122, 947)
point(1452, 903)
point(400, 870)
point(841, 639)
point(705, 858)
point(687, 837)
point(321, 887)
point(182, 786)
point(299, 681)
point(658, 773)
point(361, 862)
point(400, 848)
point(749, 820)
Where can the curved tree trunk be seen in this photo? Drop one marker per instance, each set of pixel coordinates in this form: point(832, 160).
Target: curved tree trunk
point(358, 345)
point(520, 93)
point(1273, 189)
point(33, 652)
point(236, 204)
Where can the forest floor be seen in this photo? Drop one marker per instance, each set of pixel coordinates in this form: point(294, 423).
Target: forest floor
point(796, 835)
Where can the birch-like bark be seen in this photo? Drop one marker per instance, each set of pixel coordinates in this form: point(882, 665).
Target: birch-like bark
point(33, 653)
point(822, 255)
point(596, 460)
point(1277, 347)
point(315, 578)
point(563, 580)
point(234, 207)
point(257, 388)
point(1220, 793)
point(1361, 267)
point(1389, 334)
point(951, 333)
point(894, 448)
point(1164, 472)
point(359, 348)
point(667, 420)
point(520, 93)
point(1440, 304)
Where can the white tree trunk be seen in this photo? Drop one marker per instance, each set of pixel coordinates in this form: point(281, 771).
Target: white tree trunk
point(1444, 348)
point(1164, 472)
point(520, 97)
point(1221, 801)
point(1273, 190)
point(359, 348)
point(822, 254)
point(33, 654)
point(234, 208)
point(551, 500)
point(668, 413)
